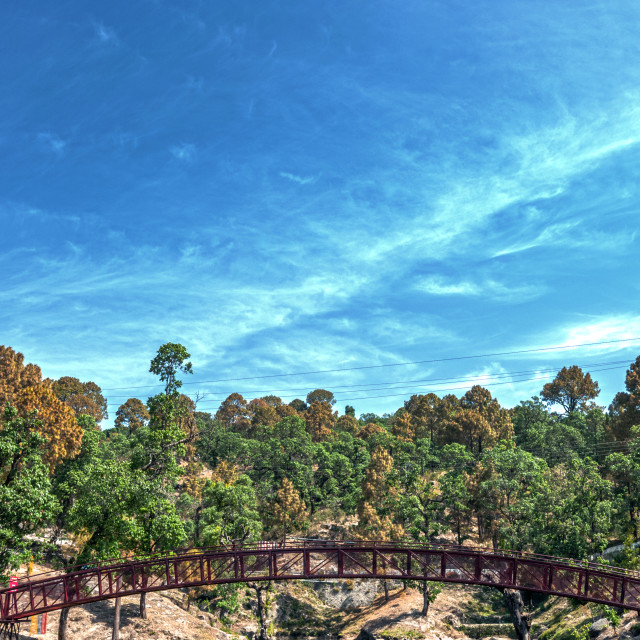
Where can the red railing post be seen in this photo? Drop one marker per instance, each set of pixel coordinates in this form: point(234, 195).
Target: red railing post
point(306, 563)
point(586, 582)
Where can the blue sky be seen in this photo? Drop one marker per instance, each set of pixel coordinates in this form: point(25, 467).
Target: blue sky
point(301, 186)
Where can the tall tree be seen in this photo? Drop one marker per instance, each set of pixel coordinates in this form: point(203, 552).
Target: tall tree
point(572, 389)
point(83, 397)
point(320, 420)
point(132, 415)
point(624, 411)
point(22, 386)
point(168, 362)
point(320, 395)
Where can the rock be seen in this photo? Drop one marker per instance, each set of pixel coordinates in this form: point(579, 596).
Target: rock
point(598, 627)
point(453, 620)
point(365, 635)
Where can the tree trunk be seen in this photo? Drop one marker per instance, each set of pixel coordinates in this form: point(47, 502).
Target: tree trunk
point(386, 590)
point(521, 622)
point(262, 617)
point(143, 605)
point(62, 625)
point(425, 599)
point(115, 635)
point(196, 534)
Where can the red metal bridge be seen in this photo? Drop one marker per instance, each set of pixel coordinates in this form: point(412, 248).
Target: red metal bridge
point(318, 559)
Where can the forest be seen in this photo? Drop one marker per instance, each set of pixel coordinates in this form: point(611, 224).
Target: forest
point(557, 474)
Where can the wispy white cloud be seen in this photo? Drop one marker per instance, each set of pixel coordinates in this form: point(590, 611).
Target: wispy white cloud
point(53, 143)
point(184, 152)
point(441, 286)
point(600, 329)
point(296, 178)
point(104, 34)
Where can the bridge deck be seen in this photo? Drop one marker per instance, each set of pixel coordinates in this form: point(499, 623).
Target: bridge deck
point(321, 560)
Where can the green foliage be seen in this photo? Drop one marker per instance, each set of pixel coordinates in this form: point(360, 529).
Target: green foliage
point(611, 615)
point(27, 502)
point(168, 361)
point(230, 512)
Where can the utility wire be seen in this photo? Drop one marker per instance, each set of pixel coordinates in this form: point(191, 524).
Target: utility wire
point(351, 388)
point(395, 364)
point(439, 389)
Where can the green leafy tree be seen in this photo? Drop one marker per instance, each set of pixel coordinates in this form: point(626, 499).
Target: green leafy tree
point(624, 471)
point(171, 359)
point(508, 483)
point(230, 512)
point(288, 453)
point(573, 511)
point(27, 502)
point(454, 488)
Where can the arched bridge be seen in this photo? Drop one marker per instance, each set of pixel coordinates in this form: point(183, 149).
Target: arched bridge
point(319, 559)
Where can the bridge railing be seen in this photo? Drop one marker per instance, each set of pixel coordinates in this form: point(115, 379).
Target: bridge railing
point(309, 543)
point(296, 559)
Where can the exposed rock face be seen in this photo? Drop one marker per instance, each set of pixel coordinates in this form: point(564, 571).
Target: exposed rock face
point(598, 627)
point(347, 594)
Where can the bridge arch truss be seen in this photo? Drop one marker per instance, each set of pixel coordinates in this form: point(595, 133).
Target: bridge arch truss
point(318, 560)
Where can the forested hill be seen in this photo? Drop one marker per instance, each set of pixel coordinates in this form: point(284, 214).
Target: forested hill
point(558, 474)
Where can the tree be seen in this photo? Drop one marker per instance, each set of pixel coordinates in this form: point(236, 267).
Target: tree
point(230, 512)
point(370, 429)
point(299, 406)
point(320, 395)
point(132, 415)
point(508, 482)
point(375, 510)
point(15, 375)
point(571, 389)
point(320, 420)
point(170, 359)
point(430, 414)
point(572, 514)
point(289, 510)
point(262, 413)
point(56, 420)
point(27, 502)
point(234, 413)
point(22, 386)
point(625, 409)
point(624, 469)
point(82, 397)
point(458, 462)
point(348, 424)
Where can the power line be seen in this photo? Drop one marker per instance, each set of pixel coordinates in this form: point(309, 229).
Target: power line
point(515, 378)
point(386, 385)
point(439, 390)
point(395, 364)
